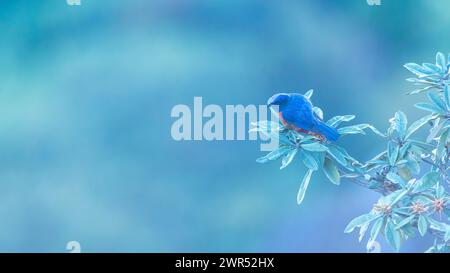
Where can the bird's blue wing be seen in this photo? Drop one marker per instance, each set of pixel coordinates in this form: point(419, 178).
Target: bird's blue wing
point(299, 113)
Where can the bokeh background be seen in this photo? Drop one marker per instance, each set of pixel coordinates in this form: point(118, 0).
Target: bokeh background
point(85, 99)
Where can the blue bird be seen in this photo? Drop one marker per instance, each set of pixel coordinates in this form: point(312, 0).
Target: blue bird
point(296, 112)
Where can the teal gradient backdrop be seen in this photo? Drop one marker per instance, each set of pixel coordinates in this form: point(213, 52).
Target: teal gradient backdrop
point(85, 98)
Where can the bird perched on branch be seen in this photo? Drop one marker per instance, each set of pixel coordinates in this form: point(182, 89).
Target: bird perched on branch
point(296, 112)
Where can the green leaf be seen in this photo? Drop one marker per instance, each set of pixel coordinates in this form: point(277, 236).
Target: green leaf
point(373, 129)
point(427, 181)
point(318, 112)
point(447, 212)
point(335, 121)
point(416, 69)
point(434, 131)
point(392, 235)
point(437, 101)
point(351, 130)
point(309, 93)
point(287, 159)
point(421, 90)
point(393, 150)
point(400, 123)
point(306, 139)
point(274, 155)
point(401, 162)
point(379, 156)
point(413, 167)
point(440, 191)
point(309, 161)
point(441, 61)
point(418, 124)
point(447, 235)
point(267, 124)
point(337, 155)
point(437, 225)
point(438, 248)
point(359, 129)
point(429, 107)
point(441, 148)
point(360, 221)
point(331, 171)
point(405, 173)
point(304, 186)
point(447, 95)
point(404, 149)
point(314, 147)
point(362, 231)
point(422, 225)
point(376, 228)
point(433, 68)
point(420, 146)
point(395, 178)
point(405, 221)
point(396, 196)
point(408, 231)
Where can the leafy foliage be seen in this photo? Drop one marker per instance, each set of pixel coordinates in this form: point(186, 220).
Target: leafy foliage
point(430, 76)
point(314, 153)
point(411, 174)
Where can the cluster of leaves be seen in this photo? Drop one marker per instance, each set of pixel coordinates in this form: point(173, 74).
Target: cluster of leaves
point(430, 76)
point(314, 153)
point(411, 174)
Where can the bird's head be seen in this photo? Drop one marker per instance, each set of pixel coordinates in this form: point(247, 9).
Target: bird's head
point(279, 99)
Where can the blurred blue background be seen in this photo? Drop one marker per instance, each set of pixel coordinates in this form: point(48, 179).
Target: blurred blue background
point(85, 99)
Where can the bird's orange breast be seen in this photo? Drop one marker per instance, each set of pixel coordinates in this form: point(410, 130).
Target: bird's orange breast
point(280, 114)
point(299, 130)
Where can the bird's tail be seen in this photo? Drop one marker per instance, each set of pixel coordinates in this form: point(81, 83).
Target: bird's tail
point(329, 132)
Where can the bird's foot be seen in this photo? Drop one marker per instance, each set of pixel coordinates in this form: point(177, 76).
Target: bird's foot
point(321, 138)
